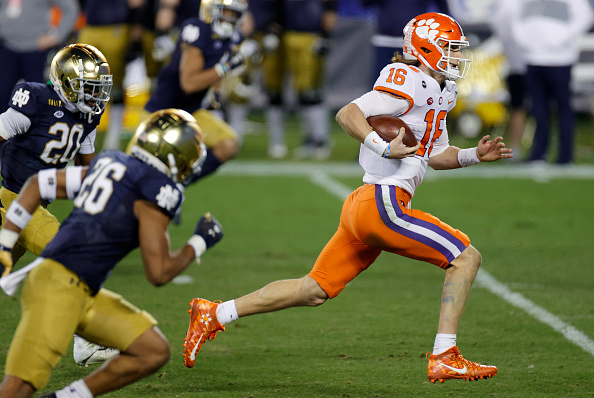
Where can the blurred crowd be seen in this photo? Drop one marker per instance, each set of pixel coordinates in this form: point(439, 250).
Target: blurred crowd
point(527, 78)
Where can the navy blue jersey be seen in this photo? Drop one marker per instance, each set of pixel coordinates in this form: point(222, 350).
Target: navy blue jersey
point(393, 15)
point(265, 13)
point(102, 227)
point(106, 12)
point(168, 93)
point(53, 139)
point(303, 15)
point(186, 9)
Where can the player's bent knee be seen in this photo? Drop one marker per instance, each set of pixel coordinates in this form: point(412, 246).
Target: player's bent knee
point(226, 149)
point(152, 350)
point(313, 292)
point(470, 257)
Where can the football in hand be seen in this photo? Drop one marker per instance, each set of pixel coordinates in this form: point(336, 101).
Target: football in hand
point(388, 126)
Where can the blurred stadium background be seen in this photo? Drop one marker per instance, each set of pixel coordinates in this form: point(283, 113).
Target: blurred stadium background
point(529, 312)
point(482, 101)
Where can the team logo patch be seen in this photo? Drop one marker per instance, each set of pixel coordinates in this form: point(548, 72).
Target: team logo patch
point(440, 100)
point(429, 100)
point(59, 114)
point(424, 84)
point(191, 33)
point(20, 97)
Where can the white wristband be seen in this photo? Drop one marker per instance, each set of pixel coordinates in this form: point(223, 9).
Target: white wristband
point(73, 181)
point(374, 142)
point(468, 157)
point(8, 238)
point(18, 215)
point(220, 69)
point(198, 244)
point(48, 184)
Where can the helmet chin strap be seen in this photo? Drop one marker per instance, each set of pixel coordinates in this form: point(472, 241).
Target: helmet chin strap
point(172, 166)
point(223, 29)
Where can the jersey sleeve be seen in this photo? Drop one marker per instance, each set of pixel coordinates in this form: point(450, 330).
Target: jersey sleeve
point(25, 99)
point(192, 33)
point(376, 103)
point(88, 145)
point(399, 81)
point(163, 192)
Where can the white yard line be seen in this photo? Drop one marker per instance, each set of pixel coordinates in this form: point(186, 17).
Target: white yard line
point(322, 175)
point(484, 280)
point(352, 169)
point(572, 334)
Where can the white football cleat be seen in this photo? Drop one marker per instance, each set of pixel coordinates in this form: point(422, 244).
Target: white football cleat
point(86, 353)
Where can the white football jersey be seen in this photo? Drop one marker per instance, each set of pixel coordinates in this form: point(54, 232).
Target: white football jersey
point(428, 106)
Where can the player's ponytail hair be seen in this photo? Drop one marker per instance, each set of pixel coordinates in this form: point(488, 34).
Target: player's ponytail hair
point(401, 59)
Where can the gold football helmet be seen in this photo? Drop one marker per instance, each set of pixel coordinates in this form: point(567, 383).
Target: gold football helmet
point(172, 141)
point(224, 24)
point(81, 75)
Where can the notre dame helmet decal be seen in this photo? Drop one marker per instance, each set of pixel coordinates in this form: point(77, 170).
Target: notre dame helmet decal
point(172, 141)
point(81, 75)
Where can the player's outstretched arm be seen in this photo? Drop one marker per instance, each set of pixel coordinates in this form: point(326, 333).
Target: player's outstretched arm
point(491, 150)
point(161, 265)
point(486, 151)
point(45, 185)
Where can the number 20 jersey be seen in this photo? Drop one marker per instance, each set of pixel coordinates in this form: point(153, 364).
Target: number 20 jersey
point(426, 116)
point(52, 140)
point(103, 227)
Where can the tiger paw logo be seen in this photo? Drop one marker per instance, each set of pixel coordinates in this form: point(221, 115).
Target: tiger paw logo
point(427, 29)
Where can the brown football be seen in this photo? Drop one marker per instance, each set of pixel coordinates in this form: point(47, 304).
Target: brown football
point(388, 126)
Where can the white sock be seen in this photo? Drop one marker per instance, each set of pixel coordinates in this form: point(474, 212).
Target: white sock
point(114, 130)
point(443, 342)
point(78, 389)
point(317, 124)
point(236, 115)
point(275, 118)
point(227, 312)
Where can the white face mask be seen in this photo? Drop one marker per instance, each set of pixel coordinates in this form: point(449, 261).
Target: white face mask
point(223, 29)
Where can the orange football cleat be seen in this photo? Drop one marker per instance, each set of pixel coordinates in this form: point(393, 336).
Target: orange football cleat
point(203, 326)
point(451, 365)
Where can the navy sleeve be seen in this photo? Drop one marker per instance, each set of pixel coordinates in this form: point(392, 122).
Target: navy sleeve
point(25, 99)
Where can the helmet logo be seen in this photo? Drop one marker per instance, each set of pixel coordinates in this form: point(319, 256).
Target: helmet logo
point(427, 29)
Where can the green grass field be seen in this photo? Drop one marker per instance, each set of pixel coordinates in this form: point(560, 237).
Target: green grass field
point(535, 238)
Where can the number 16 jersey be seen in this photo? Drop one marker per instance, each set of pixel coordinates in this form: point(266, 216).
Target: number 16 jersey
point(429, 104)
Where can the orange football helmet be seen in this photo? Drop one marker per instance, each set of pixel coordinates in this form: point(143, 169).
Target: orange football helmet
point(432, 38)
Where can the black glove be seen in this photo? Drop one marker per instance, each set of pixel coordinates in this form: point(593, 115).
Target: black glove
point(210, 229)
point(133, 52)
point(321, 46)
point(228, 62)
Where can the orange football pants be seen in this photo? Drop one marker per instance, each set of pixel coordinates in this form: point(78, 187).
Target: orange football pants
point(378, 218)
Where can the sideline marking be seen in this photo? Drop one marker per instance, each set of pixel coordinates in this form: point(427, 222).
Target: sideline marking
point(544, 173)
point(485, 280)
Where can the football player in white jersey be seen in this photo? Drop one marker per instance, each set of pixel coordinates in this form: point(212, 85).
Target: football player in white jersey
point(418, 87)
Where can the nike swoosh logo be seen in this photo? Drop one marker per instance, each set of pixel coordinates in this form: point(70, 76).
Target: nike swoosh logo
point(375, 141)
point(459, 370)
point(449, 102)
point(193, 354)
